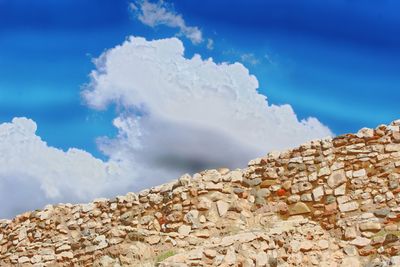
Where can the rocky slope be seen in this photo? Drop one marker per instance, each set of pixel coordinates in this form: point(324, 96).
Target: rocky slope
point(332, 202)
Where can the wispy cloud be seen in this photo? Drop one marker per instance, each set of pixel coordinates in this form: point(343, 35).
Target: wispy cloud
point(210, 44)
point(161, 13)
point(249, 58)
point(269, 59)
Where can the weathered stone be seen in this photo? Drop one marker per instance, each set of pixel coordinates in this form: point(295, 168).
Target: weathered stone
point(306, 197)
point(324, 171)
point(230, 257)
point(212, 186)
point(365, 133)
point(340, 190)
point(204, 204)
point(22, 234)
point(23, 260)
point(349, 206)
point(360, 241)
point(350, 233)
point(263, 193)
point(299, 208)
point(236, 176)
point(262, 259)
point(318, 193)
point(390, 238)
point(336, 178)
point(293, 198)
point(222, 207)
point(268, 183)
point(210, 253)
point(382, 212)
point(350, 261)
point(323, 244)
point(184, 230)
point(359, 173)
point(154, 239)
point(306, 246)
point(392, 148)
point(370, 226)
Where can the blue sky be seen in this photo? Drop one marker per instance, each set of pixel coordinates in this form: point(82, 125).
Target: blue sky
point(338, 61)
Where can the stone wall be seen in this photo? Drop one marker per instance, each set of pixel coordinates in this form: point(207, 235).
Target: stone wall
point(326, 203)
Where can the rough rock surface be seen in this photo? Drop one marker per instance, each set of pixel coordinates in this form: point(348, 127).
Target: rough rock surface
point(332, 202)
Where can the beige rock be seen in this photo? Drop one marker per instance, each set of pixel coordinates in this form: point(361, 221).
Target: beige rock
point(184, 230)
point(222, 207)
point(306, 245)
point(365, 133)
point(23, 260)
point(65, 255)
point(350, 233)
point(360, 241)
point(324, 171)
point(340, 190)
point(213, 187)
point(336, 178)
point(202, 233)
point(22, 234)
point(359, 173)
point(36, 259)
point(323, 244)
point(370, 226)
point(295, 245)
point(154, 239)
point(196, 254)
point(350, 261)
point(210, 253)
point(299, 208)
point(318, 193)
point(236, 176)
point(262, 259)
point(204, 204)
point(392, 147)
point(349, 206)
point(230, 257)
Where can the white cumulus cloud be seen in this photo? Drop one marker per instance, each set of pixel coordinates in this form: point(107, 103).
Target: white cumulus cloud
point(33, 174)
point(183, 114)
point(160, 13)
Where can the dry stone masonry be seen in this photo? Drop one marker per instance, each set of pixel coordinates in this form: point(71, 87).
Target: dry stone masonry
point(332, 202)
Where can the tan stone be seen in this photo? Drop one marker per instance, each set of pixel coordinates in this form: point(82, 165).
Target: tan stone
point(222, 207)
point(350, 233)
point(230, 257)
point(349, 206)
point(370, 226)
point(336, 178)
point(318, 193)
point(210, 253)
point(184, 230)
point(154, 239)
point(360, 241)
point(299, 208)
point(350, 261)
point(340, 190)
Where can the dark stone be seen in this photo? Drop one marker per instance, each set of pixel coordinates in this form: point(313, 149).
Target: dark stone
point(390, 238)
point(381, 213)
